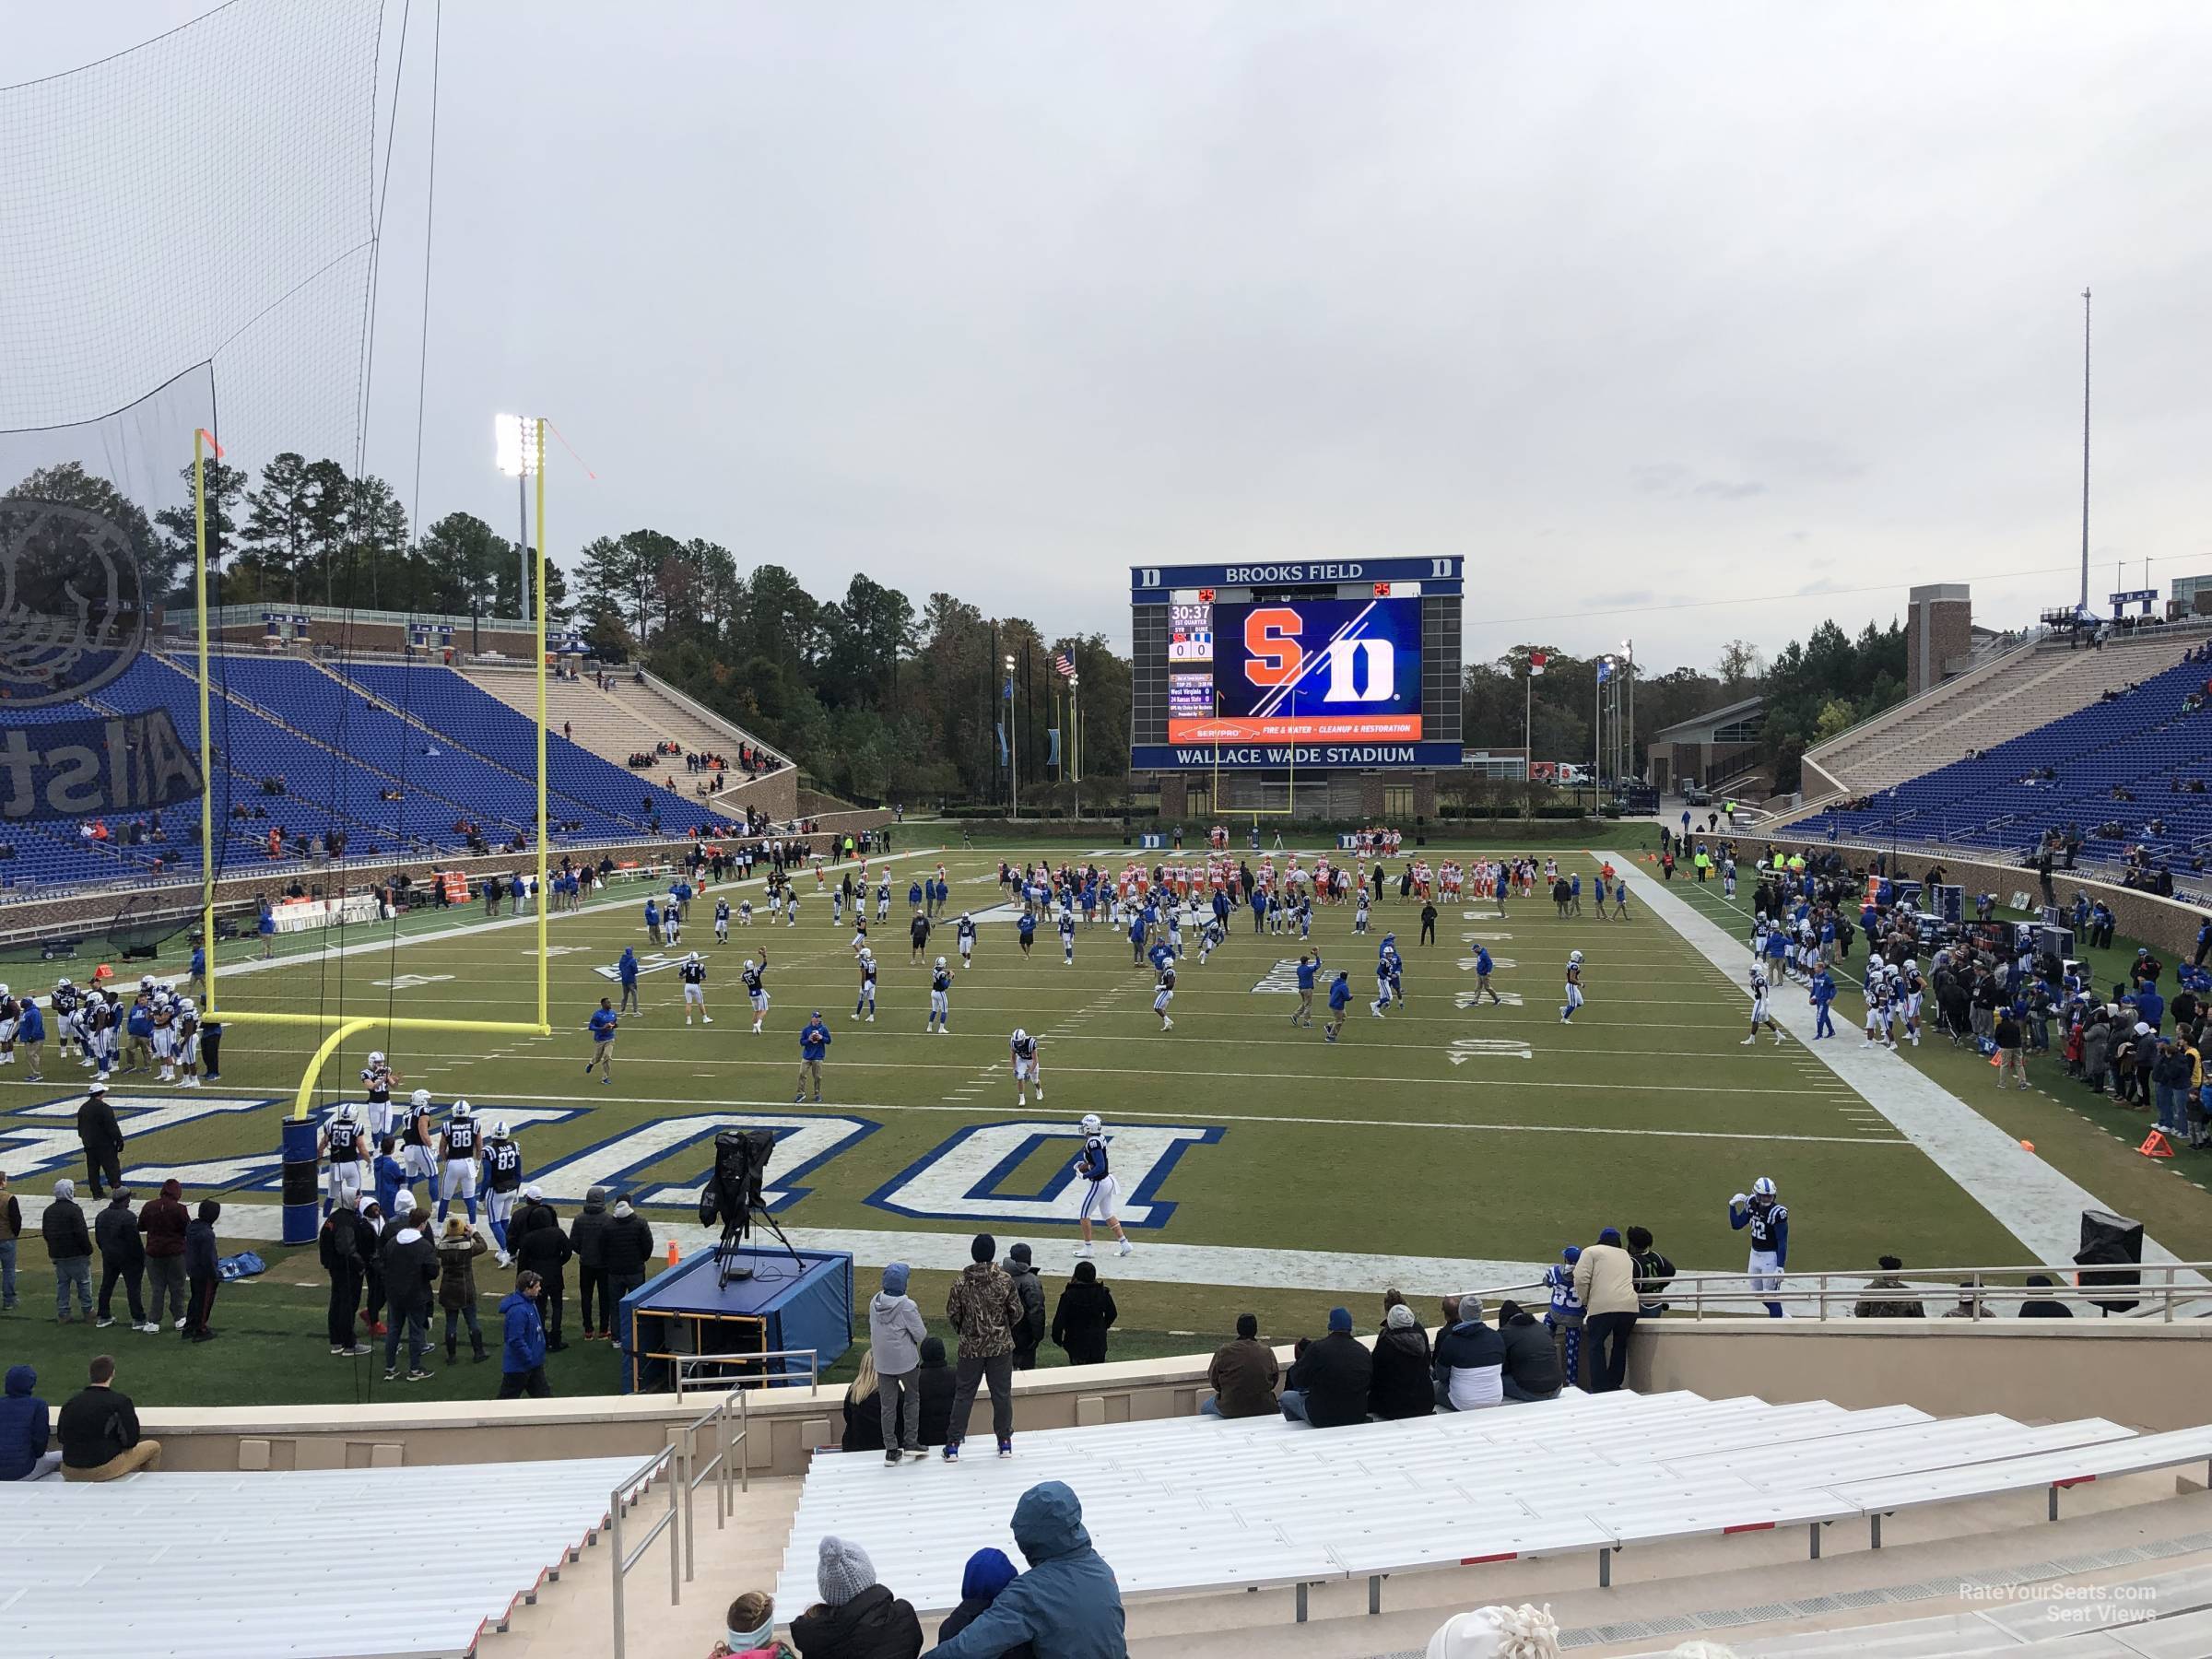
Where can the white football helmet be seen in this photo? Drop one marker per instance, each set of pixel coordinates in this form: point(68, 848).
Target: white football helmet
point(420, 1097)
point(62, 984)
point(461, 1109)
point(940, 962)
point(376, 1056)
point(692, 958)
point(749, 964)
point(346, 1113)
point(498, 1130)
point(1091, 1124)
point(1574, 959)
point(1019, 1035)
point(1762, 1188)
point(866, 955)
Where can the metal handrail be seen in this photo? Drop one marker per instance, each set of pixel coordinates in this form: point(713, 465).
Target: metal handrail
point(2160, 1291)
point(718, 1467)
point(682, 1365)
point(670, 1458)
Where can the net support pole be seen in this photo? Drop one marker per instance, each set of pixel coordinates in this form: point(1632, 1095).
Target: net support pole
point(199, 582)
point(541, 720)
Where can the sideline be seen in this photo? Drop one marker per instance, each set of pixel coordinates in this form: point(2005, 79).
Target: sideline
point(2037, 1204)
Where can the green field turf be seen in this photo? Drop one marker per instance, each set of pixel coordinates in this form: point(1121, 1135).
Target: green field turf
point(1393, 1142)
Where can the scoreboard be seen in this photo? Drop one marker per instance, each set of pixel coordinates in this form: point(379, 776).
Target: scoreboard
point(1341, 663)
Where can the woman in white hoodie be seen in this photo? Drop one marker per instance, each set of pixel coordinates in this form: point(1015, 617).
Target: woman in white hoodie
point(895, 1333)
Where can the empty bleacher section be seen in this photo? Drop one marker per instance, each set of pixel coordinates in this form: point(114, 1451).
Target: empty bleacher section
point(2010, 696)
point(633, 715)
point(393, 758)
point(2119, 768)
point(1188, 1505)
point(206, 1566)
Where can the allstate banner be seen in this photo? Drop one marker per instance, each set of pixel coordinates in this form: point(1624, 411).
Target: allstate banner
point(1288, 671)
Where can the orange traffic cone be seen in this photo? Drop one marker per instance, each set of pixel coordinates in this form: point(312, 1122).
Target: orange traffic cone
point(676, 1255)
point(2155, 1145)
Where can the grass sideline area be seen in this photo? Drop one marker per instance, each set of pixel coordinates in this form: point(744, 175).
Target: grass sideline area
point(1424, 1133)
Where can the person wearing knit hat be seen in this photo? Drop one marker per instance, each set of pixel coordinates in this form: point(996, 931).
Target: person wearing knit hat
point(857, 1615)
point(1498, 1632)
point(1329, 1383)
point(988, 1573)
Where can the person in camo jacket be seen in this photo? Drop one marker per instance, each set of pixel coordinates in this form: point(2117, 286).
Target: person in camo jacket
point(983, 1308)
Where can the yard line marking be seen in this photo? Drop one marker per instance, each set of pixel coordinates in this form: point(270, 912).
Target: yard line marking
point(1252, 1117)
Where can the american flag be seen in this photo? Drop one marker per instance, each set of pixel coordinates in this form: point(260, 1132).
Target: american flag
point(1065, 664)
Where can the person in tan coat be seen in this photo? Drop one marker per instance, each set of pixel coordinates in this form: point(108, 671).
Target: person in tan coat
point(1604, 1281)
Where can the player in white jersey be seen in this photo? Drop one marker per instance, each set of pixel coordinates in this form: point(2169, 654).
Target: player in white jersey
point(745, 912)
point(1761, 1015)
point(1102, 1197)
point(1574, 986)
point(1022, 1048)
point(458, 1151)
point(866, 999)
point(694, 975)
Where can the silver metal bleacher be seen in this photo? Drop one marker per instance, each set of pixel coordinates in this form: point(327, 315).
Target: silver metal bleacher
point(1195, 1504)
point(297, 1564)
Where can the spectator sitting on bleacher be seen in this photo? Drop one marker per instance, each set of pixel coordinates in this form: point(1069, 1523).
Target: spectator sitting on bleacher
point(2046, 1307)
point(1067, 1605)
point(1242, 1375)
point(1330, 1380)
point(1499, 1632)
point(99, 1431)
point(751, 1632)
point(1470, 1362)
point(987, 1572)
point(1532, 1360)
point(1401, 1385)
point(1903, 1306)
point(26, 1426)
point(857, 1618)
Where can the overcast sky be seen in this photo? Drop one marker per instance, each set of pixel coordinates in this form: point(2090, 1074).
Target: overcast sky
point(1634, 306)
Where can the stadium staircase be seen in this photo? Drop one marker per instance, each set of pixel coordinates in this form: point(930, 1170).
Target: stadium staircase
point(627, 718)
point(2005, 698)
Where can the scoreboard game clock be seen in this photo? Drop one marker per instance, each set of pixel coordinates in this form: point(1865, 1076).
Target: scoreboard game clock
point(1341, 663)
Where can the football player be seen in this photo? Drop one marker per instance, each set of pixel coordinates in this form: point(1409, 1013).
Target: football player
point(940, 1003)
point(1166, 993)
point(1023, 1049)
point(866, 999)
point(502, 1180)
point(722, 921)
point(1770, 1223)
point(344, 1145)
point(417, 1138)
point(377, 1078)
point(694, 975)
point(1102, 1197)
point(756, 987)
point(1574, 986)
point(457, 1156)
point(1760, 1014)
point(965, 935)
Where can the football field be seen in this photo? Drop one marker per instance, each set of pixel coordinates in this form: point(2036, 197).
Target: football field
point(1438, 1146)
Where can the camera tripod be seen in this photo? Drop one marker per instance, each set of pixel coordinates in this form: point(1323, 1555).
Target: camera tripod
point(732, 1235)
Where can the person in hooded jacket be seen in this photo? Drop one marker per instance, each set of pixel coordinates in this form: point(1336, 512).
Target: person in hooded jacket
point(1532, 1359)
point(938, 1384)
point(1067, 1605)
point(458, 1254)
point(625, 1248)
point(895, 1336)
point(26, 1424)
point(69, 1248)
point(539, 1244)
point(1085, 1313)
point(344, 1245)
point(587, 1236)
point(122, 1257)
point(857, 1618)
point(410, 1262)
point(164, 1221)
point(1402, 1387)
point(987, 1573)
point(1028, 1331)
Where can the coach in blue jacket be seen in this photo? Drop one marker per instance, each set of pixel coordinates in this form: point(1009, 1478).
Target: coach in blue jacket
point(1067, 1604)
point(522, 1355)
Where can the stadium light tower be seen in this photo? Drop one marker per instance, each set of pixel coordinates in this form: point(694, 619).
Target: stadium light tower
point(1013, 747)
point(520, 453)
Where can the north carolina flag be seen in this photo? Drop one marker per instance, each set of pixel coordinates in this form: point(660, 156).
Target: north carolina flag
point(1536, 659)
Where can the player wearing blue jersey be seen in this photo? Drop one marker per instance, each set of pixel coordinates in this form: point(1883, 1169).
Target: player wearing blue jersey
point(866, 999)
point(502, 1182)
point(1769, 1222)
point(1823, 992)
point(1066, 925)
point(458, 1151)
point(940, 1000)
point(1102, 1197)
point(1164, 992)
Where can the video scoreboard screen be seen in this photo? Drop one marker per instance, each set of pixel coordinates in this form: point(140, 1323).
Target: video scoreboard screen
point(1352, 663)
